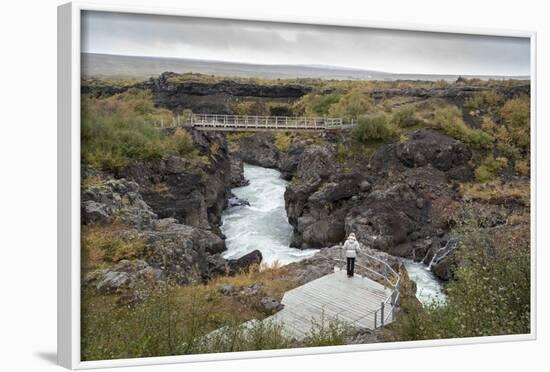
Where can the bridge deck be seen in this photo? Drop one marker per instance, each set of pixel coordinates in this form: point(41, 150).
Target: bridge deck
point(355, 301)
point(265, 123)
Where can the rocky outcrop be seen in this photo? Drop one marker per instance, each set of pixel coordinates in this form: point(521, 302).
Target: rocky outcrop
point(177, 188)
point(244, 262)
point(237, 173)
point(215, 98)
point(310, 196)
point(124, 276)
point(400, 203)
point(426, 147)
point(110, 201)
point(404, 215)
point(173, 250)
point(457, 92)
point(258, 149)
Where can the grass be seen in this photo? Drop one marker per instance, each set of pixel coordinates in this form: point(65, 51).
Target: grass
point(496, 191)
point(104, 245)
point(174, 320)
point(489, 168)
point(483, 99)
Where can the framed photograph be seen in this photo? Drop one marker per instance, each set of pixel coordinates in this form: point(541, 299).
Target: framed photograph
point(237, 187)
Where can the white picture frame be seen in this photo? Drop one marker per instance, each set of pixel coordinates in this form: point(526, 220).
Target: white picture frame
point(69, 38)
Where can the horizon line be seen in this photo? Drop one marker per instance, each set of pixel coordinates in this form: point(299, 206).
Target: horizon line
point(308, 65)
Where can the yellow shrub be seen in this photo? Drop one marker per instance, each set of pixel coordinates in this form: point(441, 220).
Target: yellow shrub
point(522, 167)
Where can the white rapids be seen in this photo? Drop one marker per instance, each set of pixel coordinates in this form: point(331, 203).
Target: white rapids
point(428, 287)
point(263, 225)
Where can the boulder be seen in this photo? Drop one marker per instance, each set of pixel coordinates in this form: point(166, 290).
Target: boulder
point(123, 276)
point(427, 146)
point(271, 305)
point(234, 201)
point(243, 263)
point(109, 200)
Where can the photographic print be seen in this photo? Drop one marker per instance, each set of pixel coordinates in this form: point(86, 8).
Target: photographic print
point(251, 185)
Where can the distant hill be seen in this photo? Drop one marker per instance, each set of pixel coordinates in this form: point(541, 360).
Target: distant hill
point(117, 66)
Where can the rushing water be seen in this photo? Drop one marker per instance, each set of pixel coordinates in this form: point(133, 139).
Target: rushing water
point(428, 287)
point(262, 225)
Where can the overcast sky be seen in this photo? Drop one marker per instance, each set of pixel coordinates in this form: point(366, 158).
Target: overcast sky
point(280, 43)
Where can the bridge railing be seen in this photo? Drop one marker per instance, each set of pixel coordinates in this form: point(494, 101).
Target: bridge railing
point(389, 277)
point(251, 122)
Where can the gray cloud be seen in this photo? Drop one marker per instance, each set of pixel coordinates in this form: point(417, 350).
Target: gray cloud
point(283, 43)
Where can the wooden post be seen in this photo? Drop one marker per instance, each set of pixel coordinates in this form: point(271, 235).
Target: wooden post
point(382, 314)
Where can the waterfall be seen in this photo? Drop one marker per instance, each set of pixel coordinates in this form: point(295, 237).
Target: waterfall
point(447, 249)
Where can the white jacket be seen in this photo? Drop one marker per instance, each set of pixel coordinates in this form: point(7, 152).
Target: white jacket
point(351, 247)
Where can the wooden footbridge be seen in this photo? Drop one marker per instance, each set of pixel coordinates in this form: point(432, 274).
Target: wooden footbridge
point(357, 302)
point(215, 122)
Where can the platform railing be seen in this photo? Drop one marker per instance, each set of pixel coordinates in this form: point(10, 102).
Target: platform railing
point(390, 278)
point(254, 122)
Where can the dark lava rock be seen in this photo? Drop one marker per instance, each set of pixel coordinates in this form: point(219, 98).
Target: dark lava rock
point(214, 98)
point(237, 173)
point(175, 188)
point(427, 146)
point(234, 201)
point(259, 150)
point(243, 263)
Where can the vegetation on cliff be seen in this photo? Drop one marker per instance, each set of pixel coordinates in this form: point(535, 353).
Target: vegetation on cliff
point(490, 294)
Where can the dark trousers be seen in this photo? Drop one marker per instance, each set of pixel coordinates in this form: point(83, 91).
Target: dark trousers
point(351, 265)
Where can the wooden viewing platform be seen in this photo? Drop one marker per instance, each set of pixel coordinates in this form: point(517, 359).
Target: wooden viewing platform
point(358, 302)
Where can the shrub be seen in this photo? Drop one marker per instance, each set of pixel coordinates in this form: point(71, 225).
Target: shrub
point(183, 141)
point(522, 167)
point(516, 114)
point(352, 105)
point(375, 128)
point(490, 292)
point(249, 108)
point(315, 104)
point(449, 118)
point(482, 99)
point(282, 141)
point(405, 117)
point(489, 167)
